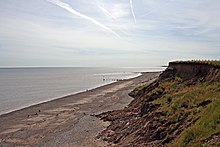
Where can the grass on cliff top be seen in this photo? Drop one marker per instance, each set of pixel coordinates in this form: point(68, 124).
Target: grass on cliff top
point(188, 103)
point(215, 63)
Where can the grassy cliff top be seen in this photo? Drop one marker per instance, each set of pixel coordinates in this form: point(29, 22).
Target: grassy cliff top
point(215, 63)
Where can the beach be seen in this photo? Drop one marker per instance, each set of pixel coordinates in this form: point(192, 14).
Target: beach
point(68, 121)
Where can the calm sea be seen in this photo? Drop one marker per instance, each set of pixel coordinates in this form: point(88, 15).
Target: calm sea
point(22, 87)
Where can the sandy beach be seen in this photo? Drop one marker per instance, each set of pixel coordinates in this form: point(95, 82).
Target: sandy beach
point(68, 121)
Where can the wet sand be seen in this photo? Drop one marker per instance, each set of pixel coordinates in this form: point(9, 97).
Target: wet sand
point(68, 121)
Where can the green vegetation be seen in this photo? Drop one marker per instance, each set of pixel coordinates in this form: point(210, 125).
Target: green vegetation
point(215, 63)
point(198, 105)
point(139, 88)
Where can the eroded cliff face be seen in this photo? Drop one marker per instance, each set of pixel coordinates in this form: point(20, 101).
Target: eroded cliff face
point(194, 70)
point(180, 108)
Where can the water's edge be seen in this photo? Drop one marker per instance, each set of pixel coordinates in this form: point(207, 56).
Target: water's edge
point(68, 95)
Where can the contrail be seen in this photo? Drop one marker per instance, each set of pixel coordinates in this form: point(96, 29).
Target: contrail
point(106, 12)
point(71, 10)
point(132, 10)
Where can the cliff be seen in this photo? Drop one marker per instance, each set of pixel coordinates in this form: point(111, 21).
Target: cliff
point(190, 70)
point(180, 108)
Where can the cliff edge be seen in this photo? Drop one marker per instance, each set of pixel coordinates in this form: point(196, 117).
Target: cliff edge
point(180, 108)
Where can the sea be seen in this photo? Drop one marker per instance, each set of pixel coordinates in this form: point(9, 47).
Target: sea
point(23, 87)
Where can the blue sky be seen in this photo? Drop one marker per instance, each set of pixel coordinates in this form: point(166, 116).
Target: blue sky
point(121, 33)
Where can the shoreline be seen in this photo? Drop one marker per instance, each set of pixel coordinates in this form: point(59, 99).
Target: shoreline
point(71, 94)
point(70, 120)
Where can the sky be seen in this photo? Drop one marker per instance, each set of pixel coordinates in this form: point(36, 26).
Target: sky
point(107, 33)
